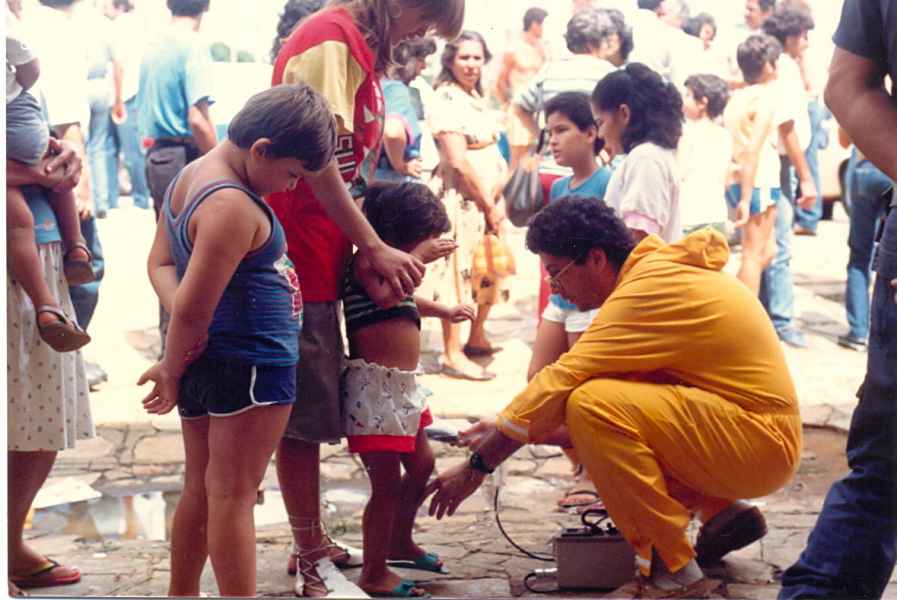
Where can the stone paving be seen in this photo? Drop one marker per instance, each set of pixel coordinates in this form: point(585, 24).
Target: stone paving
point(135, 454)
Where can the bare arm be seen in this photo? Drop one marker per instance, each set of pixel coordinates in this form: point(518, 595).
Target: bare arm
point(453, 149)
point(118, 75)
point(528, 120)
point(28, 74)
point(394, 143)
point(201, 126)
point(161, 269)
point(402, 271)
point(503, 81)
point(455, 485)
point(854, 91)
point(796, 155)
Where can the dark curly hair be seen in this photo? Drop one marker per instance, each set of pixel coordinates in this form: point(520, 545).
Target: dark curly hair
point(788, 21)
point(754, 53)
point(587, 29)
point(711, 88)
point(451, 51)
point(408, 55)
point(188, 8)
point(405, 214)
point(534, 15)
point(293, 12)
point(575, 106)
point(655, 107)
point(627, 43)
point(694, 25)
point(573, 226)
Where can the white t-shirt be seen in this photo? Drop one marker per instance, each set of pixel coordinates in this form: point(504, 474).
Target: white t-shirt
point(704, 156)
point(644, 191)
point(794, 101)
point(17, 53)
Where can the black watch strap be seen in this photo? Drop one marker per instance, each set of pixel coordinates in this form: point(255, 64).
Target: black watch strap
point(477, 464)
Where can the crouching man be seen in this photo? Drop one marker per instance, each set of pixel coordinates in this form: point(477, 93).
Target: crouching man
point(677, 398)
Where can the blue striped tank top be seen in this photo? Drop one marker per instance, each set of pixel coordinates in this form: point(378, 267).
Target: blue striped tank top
point(259, 315)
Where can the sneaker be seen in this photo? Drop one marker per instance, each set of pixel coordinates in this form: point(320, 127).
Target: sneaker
point(734, 528)
point(793, 337)
point(852, 343)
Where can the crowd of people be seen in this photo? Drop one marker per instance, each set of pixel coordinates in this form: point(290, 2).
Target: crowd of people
point(656, 137)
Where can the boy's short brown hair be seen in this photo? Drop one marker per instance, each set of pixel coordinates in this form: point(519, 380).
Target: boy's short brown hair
point(756, 52)
point(295, 118)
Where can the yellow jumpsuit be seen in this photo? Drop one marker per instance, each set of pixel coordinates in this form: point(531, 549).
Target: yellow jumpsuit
point(677, 398)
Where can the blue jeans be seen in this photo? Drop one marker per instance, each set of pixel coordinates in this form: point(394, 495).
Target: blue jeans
point(776, 287)
point(102, 154)
point(853, 547)
point(809, 219)
point(134, 155)
point(85, 297)
point(867, 184)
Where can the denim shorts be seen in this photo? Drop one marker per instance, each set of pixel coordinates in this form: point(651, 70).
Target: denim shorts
point(761, 198)
point(221, 387)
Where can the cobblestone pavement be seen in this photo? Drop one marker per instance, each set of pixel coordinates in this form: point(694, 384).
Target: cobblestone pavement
point(136, 458)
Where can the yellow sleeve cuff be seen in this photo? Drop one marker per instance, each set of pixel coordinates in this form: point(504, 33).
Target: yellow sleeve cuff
point(516, 429)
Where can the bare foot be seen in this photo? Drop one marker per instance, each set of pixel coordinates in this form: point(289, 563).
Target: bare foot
point(458, 365)
point(78, 254)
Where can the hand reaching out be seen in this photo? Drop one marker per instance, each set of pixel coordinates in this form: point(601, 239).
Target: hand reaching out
point(474, 435)
point(164, 395)
point(461, 313)
point(433, 249)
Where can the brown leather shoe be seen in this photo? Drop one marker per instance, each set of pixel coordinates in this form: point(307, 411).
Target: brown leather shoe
point(734, 528)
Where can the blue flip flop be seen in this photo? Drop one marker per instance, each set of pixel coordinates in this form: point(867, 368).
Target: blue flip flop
point(403, 590)
point(428, 562)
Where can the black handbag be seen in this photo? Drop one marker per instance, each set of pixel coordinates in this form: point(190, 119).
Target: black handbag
point(523, 192)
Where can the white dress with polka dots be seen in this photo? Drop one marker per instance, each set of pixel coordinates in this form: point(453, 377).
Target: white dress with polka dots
point(47, 395)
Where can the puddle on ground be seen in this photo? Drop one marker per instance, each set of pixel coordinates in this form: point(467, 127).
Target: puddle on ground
point(147, 515)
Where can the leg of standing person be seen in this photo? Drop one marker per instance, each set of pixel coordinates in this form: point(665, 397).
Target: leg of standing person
point(757, 250)
point(233, 475)
point(777, 286)
point(315, 419)
point(133, 155)
point(189, 531)
point(867, 185)
point(418, 468)
point(99, 146)
point(85, 297)
point(807, 220)
point(26, 473)
point(852, 549)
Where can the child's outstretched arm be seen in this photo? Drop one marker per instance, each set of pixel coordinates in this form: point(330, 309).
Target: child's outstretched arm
point(454, 314)
point(225, 229)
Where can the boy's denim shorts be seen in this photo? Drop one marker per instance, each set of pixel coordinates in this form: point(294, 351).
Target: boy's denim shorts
point(219, 387)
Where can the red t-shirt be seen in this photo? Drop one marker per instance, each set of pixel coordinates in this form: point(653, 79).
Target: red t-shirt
point(329, 53)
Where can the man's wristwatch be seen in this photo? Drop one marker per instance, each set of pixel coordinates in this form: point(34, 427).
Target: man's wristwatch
point(477, 463)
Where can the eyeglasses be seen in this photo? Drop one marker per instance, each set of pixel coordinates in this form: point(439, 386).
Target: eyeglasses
point(554, 282)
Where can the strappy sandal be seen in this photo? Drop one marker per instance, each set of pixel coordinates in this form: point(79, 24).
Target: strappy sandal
point(307, 576)
point(78, 271)
point(63, 335)
point(341, 555)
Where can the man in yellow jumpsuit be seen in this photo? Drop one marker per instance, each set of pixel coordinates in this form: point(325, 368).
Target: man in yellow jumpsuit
point(677, 399)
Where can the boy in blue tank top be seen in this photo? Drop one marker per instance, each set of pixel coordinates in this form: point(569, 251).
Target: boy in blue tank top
point(220, 268)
